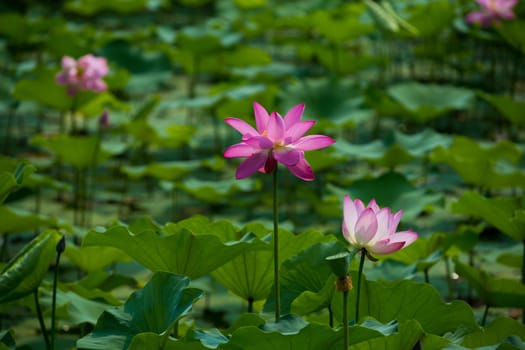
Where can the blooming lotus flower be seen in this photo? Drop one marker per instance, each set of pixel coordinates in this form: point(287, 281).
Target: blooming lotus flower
point(492, 11)
point(373, 228)
point(275, 139)
point(84, 74)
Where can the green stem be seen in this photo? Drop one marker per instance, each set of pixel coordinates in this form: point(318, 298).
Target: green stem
point(54, 300)
point(330, 316)
point(359, 273)
point(427, 279)
point(485, 313)
point(523, 277)
point(345, 320)
point(276, 250)
point(41, 320)
point(250, 305)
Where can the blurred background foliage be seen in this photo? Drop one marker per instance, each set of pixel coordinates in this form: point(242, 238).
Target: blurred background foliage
point(427, 110)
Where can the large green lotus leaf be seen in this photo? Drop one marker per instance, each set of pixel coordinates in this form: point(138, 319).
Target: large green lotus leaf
point(209, 338)
point(408, 335)
point(199, 225)
point(246, 56)
point(24, 272)
point(78, 151)
point(15, 173)
point(309, 301)
point(510, 108)
point(421, 143)
point(184, 252)
point(217, 191)
point(444, 11)
point(95, 106)
point(306, 271)
point(496, 292)
point(72, 308)
point(11, 178)
point(44, 90)
point(94, 258)
point(426, 101)
point(15, 27)
point(150, 340)
point(512, 32)
point(18, 220)
point(92, 7)
point(375, 152)
point(511, 260)
point(169, 171)
point(310, 337)
point(249, 275)
point(155, 308)
point(500, 329)
point(488, 165)
point(293, 333)
point(343, 25)
point(407, 300)
point(389, 190)
point(500, 212)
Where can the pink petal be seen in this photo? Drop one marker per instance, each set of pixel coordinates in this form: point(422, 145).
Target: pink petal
point(366, 226)
point(385, 247)
point(251, 165)
point(296, 131)
point(359, 207)
point(261, 117)
point(348, 235)
point(275, 128)
point(68, 62)
point(241, 126)
point(405, 237)
point(482, 18)
point(302, 170)
point(394, 221)
point(288, 157)
point(239, 150)
point(350, 214)
point(312, 142)
point(373, 205)
point(260, 142)
point(383, 220)
point(294, 115)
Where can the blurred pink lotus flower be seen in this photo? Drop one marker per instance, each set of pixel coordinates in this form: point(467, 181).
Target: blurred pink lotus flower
point(373, 228)
point(276, 139)
point(86, 73)
point(492, 11)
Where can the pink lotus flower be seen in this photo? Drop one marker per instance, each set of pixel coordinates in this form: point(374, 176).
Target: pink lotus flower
point(492, 11)
point(275, 140)
point(84, 74)
point(373, 228)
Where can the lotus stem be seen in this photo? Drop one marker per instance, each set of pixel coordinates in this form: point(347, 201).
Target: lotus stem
point(427, 279)
point(330, 316)
point(250, 305)
point(41, 320)
point(359, 273)
point(485, 314)
point(345, 319)
point(276, 250)
point(61, 246)
point(523, 277)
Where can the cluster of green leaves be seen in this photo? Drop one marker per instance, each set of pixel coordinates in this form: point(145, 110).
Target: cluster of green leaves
point(427, 113)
